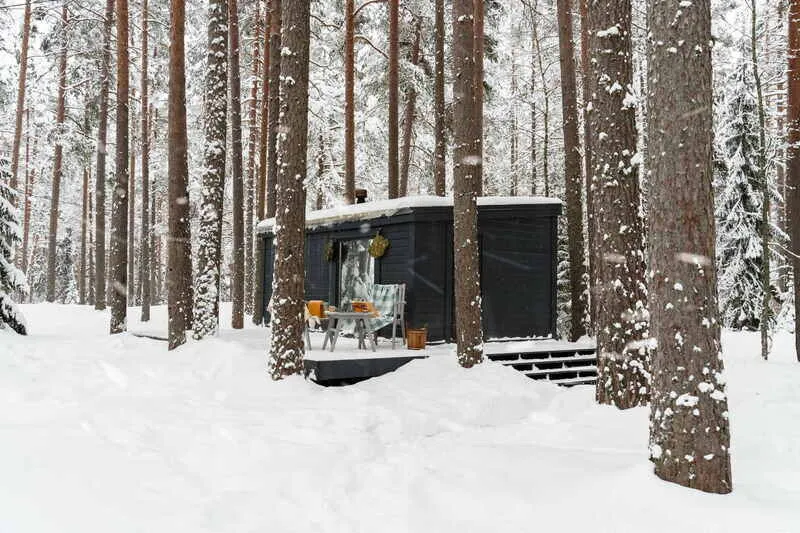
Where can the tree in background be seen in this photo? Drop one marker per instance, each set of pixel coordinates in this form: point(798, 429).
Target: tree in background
point(179, 252)
point(287, 318)
point(466, 184)
point(440, 134)
point(21, 86)
point(206, 314)
point(689, 435)
point(145, 242)
point(66, 288)
point(12, 280)
point(394, 97)
point(236, 148)
point(793, 154)
point(618, 283)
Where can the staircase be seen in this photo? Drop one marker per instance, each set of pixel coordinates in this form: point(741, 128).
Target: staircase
point(564, 363)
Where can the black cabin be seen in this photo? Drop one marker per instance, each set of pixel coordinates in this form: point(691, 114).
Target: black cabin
point(518, 260)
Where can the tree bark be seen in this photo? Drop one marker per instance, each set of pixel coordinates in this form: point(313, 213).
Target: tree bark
point(587, 153)
point(466, 185)
point(689, 439)
point(618, 283)
point(179, 263)
point(206, 316)
point(100, 172)
point(410, 114)
point(514, 126)
point(249, 191)
point(394, 97)
point(132, 212)
point(58, 159)
point(90, 252)
point(440, 135)
point(793, 155)
point(30, 179)
point(275, 66)
point(234, 74)
point(21, 86)
point(119, 202)
point(535, 54)
point(286, 351)
point(145, 243)
point(349, 103)
point(477, 109)
point(84, 220)
point(572, 171)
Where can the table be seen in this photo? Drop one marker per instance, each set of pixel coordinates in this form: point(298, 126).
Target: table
point(335, 319)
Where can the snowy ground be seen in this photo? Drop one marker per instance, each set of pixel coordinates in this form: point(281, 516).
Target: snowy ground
point(114, 434)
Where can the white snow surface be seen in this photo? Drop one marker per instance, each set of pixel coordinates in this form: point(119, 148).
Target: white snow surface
point(101, 433)
point(381, 208)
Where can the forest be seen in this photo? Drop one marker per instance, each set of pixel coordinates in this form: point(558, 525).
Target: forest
point(164, 166)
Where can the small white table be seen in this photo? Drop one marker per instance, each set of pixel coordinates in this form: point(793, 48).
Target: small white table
point(335, 319)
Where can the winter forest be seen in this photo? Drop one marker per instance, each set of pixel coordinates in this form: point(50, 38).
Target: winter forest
point(349, 265)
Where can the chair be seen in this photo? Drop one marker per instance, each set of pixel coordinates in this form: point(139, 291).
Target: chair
point(309, 320)
point(390, 302)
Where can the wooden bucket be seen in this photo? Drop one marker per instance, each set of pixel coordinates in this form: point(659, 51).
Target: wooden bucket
point(416, 338)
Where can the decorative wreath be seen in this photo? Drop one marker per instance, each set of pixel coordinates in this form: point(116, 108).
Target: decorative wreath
point(378, 246)
point(329, 253)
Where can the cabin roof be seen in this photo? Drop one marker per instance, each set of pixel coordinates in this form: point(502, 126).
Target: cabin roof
point(381, 208)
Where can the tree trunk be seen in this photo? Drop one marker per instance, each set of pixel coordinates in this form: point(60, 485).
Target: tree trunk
point(90, 253)
point(249, 190)
point(179, 263)
point(466, 185)
point(689, 409)
point(349, 103)
point(21, 86)
point(237, 320)
point(30, 179)
point(273, 94)
point(793, 155)
point(587, 153)
point(535, 55)
point(58, 159)
point(132, 214)
point(119, 201)
point(145, 265)
point(286, 351)
point(440, 135)
point(514, 126)
point(410, 114)
point(84, 220)
point(618, 283)
point(477, 109)
point(100, 172)
point(206, 315)
point(394, 97)
point(572, 171)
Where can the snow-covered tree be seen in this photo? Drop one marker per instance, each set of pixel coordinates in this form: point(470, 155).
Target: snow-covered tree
point(738, 211)
point(66, 287)
point(11, 278)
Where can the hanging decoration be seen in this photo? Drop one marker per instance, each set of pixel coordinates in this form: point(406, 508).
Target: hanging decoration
point(378, 246)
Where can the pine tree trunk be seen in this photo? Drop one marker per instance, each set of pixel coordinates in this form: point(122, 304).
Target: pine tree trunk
point(410, 114)
point(145, 245)
point(84, 220)
point(100, 177)
point(286, 351)
point(477, 109)
point(90, 253)
point(534, 56)
point(440, 136)
point(119, 201)
point(206, 315)
point(30, 179)
point(234, 74)
point(273, 94)
point(21, 86)
point(572, 171)
point(179, 264)
point(57, 160)
point(349, 103)
point(251, 155)
point(587, 154)
point(793, 155)
point(514, 155)
point(132, 215)
point(689, 409)
point(617, 282)
point(394, 97)
point(466, 186)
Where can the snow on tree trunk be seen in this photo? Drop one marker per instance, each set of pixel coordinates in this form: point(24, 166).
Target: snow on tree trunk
point(12, 280)
point(145, 244)
point(84, 221)
point(440, 134)
point(689, 437)
point(236, 130)
point(410, 113)
point(618, 285)
point(572, 170)
point(206, 312)
point(287, 321)
point(66, 287)
point(466, 186)
point(179, 262)
point(100, 179)
point(119, 201)
point(793, 154)
point(253, 137)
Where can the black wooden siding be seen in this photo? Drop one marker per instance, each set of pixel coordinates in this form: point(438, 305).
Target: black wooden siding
point(518, 267)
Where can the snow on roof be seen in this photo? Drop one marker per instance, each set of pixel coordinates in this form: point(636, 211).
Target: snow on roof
point(381, 208)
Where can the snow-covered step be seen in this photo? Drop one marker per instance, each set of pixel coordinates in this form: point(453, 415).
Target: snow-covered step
point(561, 362)
point(528, 360)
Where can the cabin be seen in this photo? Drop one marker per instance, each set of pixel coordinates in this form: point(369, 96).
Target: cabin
point(518, 240)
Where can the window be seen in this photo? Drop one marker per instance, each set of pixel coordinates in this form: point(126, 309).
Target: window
point(356, 271)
